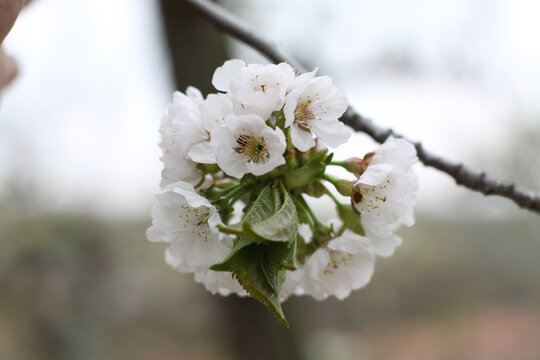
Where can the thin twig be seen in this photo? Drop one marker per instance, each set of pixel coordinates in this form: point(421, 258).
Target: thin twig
point(474, 180)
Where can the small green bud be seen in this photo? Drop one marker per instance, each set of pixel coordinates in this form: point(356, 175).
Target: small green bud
point(351, 219)
point(344, 187)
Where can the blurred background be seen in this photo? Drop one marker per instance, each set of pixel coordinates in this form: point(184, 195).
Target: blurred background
point(79, 164)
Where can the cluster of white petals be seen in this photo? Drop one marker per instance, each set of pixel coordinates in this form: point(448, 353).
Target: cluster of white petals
point(312, 107)
point(343, 264)
point(188, 222)
point(182, 122)
point(263, 117)
point(231, 129)
point(385, 194)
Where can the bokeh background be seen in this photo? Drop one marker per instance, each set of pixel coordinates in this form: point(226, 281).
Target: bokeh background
point(79, 164)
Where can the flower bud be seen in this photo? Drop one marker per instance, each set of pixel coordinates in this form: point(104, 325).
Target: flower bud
point(344, 187)
point(357, 166)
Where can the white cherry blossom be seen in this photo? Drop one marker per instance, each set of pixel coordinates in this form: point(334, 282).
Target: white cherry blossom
point(182, 126)
point(180, 129)
point(385, 194)
point(188, 222)
point(256, 89)
point(213, 110)
point(247, 145)
point(345, 264)
point(312, 107)
point(242, 131)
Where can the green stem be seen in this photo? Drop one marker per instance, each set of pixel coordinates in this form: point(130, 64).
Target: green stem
point(338, 163)
point(316, 223)
point(301, 206)
point(238, 194)
point(332, 196)
point(330, 178)
point(339, 206)
point(341, 230)
point(201, 181)
point(238, 189)
point(231, 188)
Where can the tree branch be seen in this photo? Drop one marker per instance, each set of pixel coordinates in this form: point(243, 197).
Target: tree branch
point(236, 27)
point(473, 180)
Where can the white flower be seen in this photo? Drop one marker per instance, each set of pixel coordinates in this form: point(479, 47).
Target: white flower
point(213, 112)
point(256, 89)
point(180, 129)
point(346, 264)
point(188, 222)
point(182, 126)
point(247, 145)
point(385, 193)
point(313, 106)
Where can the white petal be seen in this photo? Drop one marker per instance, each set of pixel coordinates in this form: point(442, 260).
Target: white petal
point(331, 107)
point(301, 139)
point(231, 163)
point(301, 81)
point(291, 101)
point(320, 86)
point(334, 133)
point(223, 74)
point(351, 243)
point(375, 174)
point(203, 152)
point(196, 251)
point(154, 234)
point(171, 259)
point(215, 109)
point(191, 197)
point(178, 168)
point(383, 241)
point(194, 94)
point(262, 168)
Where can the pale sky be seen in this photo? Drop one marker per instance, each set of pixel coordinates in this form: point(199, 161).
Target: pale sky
point(81, 121)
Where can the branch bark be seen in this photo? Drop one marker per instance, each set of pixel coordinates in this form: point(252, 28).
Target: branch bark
point(463, 175)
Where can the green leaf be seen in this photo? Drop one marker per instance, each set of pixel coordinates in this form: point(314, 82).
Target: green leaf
point(272, 216)
point(274, 276)
point(282, 254)
point(233, 260)
point(350, 219)
point(329, 158)
point(250, 265)
point(265, 247)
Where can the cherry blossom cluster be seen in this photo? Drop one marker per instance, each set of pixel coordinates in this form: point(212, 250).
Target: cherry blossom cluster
point(237, 168)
